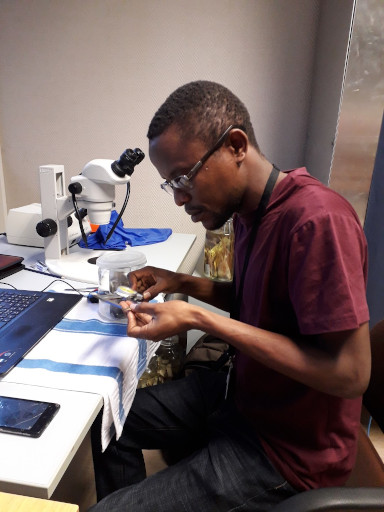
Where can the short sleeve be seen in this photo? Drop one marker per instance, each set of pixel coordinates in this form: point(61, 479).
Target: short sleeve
point(327, 274)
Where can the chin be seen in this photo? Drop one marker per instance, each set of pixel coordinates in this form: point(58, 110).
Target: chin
point(214, 223)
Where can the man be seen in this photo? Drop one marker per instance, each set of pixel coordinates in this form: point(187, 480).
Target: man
point(298, 327)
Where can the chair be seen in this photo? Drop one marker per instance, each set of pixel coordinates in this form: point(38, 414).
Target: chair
point(364, 489)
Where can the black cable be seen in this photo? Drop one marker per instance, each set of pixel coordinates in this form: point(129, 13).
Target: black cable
point(120, 214)
point(88, 296)
point(61, 281)
point(74, 201)
point(11, 285)
point(48, 285)
point(65, 282)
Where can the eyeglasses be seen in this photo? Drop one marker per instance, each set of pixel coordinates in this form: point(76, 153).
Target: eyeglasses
point(184, 181)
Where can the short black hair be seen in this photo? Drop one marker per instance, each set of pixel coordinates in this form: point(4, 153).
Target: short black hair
point(202, 110)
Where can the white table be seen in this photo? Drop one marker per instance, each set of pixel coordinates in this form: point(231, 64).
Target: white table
point(169, 254)
point(35, 466)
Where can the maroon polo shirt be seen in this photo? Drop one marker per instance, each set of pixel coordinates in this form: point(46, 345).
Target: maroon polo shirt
point(306, 276)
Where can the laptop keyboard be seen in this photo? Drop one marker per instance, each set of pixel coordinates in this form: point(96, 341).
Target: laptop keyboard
point(13, 303)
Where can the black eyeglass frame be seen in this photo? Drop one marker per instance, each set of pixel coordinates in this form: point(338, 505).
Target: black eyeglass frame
point(184, 181)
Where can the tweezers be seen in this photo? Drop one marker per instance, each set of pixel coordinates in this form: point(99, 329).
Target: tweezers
point(121, 294)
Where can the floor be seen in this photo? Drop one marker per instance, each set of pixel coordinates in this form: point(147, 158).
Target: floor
point(377, 438)
point(154, 461)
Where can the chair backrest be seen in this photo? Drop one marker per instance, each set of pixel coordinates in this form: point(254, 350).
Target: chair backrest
point(369, 468)
point(374, 396)
point(365, 487)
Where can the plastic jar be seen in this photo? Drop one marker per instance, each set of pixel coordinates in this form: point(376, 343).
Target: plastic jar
point(113, 270)
point(218, 253)
point(165, 364)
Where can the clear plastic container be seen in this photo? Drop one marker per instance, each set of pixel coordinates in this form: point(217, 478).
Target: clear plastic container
point(165, 364)
point(218, 253)
point(113, 270)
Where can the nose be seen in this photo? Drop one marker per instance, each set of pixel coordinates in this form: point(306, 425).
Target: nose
point(181, 196)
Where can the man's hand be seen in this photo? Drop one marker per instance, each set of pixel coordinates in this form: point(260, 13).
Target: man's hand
point(154, 321)
point(150, 281)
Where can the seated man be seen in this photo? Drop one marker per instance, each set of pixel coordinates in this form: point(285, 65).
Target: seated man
point(298, 328)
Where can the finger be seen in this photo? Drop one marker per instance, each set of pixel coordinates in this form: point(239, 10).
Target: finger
point(143, 282)
point(132, 321)
point(134, 316)
point(132, 279)
point(147, 308)
point(136, 327)
point(139, 281)
point(125, 306)
point(132, 324)
point(142, 318)
point(147, 295)
point(151, 292)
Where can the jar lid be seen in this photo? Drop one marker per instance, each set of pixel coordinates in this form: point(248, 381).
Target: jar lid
point(122, 259)
point(171, 340)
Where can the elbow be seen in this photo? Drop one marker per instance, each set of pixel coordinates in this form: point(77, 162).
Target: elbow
point(353, 393)
point(354, 385)
point(354, 374)
point(361, 378)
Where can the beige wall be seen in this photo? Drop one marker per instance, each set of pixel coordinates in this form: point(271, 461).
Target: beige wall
point(3, 200)
point(81, 79)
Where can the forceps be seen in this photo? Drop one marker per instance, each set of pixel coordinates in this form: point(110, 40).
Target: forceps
point(122, 293)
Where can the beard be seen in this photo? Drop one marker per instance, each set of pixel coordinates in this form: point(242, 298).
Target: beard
point(217, 219)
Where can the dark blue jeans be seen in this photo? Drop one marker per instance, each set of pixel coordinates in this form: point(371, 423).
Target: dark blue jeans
point(224, 467)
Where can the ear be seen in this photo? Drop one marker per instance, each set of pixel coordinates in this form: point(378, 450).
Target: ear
point(238, 144)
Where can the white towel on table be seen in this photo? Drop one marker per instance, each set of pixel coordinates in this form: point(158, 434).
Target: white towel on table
point(86, 353)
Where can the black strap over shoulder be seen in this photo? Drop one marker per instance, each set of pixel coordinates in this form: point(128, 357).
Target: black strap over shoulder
point(258, 216)
point(235, 309)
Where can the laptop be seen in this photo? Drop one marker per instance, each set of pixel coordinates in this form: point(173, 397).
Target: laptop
point(25, 318)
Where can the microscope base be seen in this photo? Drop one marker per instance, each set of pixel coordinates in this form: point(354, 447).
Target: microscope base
point(79, 266)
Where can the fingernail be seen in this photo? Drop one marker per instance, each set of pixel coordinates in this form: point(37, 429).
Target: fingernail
point(146, 295)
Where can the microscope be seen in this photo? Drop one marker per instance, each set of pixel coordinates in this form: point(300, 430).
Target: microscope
point(91, 195)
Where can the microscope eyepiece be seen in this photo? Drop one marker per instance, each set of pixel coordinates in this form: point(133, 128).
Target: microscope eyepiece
point(127, 161)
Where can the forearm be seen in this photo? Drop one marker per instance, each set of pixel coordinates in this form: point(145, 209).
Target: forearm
point(341, 373)
point(215, 293)
point(150, 281)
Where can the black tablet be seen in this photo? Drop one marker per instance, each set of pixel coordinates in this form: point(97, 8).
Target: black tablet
point(10, 265)
point(25, 417)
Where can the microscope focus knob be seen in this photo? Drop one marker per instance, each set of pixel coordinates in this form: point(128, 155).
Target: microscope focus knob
point(75, 188)
point(46, 227)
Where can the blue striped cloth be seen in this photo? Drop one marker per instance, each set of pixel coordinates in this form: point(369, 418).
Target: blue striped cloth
point(86, 353)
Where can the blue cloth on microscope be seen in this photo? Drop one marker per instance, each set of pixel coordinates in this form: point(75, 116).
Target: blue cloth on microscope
point(122, 236)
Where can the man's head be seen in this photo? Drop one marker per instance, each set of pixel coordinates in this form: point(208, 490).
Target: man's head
point(202, 110)
point(202, 143)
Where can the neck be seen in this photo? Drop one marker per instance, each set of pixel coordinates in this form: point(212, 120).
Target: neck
point(258, 172)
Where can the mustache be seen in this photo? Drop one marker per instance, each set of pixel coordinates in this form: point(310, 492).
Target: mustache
point(192, 211)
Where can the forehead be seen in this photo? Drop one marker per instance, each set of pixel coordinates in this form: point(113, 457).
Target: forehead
point(173, 154)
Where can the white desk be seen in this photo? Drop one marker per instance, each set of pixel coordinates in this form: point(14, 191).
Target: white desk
point(34, 467)
point(169, 254)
